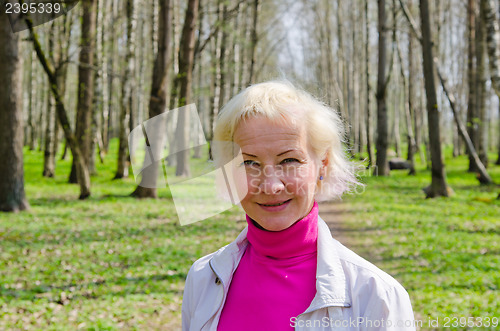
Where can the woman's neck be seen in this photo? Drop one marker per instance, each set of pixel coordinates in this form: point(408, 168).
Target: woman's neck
point(297, 240)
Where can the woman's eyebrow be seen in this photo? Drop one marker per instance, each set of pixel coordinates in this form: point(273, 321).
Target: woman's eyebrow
point(248, 154)
point(288, 151)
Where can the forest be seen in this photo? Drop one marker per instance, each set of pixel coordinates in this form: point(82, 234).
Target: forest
point(416, 83)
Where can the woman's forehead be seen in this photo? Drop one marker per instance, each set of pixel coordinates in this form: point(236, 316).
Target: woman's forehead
point(256, 126)
point(262, 133)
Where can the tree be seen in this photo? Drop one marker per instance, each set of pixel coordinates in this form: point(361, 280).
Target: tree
point(253, 42)
point(59, 38)
point(82, 173)
point(438, 185)
point(126, 93)
point(472, 120)
point(158, 99)
point(185, 76)
point(368, 90)
point(12, 196)
point(493, 41)
point(483, 176)
point(382, 118)
point(413, 144)
point(85, 84)
point(493, 46)
point(409, 125)
point(482, 129)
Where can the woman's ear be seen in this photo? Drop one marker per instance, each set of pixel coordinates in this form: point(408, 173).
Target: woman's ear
point(326, 160)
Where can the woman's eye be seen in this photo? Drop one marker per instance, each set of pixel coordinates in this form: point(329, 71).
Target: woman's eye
point(250, 163)
point(289, 160)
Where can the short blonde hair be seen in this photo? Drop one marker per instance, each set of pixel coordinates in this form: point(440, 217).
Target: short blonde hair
point(282, 101)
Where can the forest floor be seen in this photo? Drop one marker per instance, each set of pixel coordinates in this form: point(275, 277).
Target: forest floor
point(113, 262)
point(333, 214)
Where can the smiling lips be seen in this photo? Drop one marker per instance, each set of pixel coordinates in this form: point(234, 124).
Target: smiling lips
point(274, 204)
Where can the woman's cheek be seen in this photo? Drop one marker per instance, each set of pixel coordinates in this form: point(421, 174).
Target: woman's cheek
point(253, 185)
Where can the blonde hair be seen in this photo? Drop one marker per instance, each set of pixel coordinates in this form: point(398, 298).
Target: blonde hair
point(281, 101)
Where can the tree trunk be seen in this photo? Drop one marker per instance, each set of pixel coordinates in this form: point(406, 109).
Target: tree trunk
point(382, 119)
point(186, 59)
point(223, 53)
point(125, 105)
point(409, 125)
point(472, 124)
point(438, 183)
point(482, 128)
point(158, 99)
point(107, 117)
point(31, 108)
point(42, 105)
point(482, 176)
point(493, 41)
point(253, 42)
point(235, 61)
point(498, 137)
point(85, 84)
point(368, 90)
point(61, 59)
point(81, 169)
point(12, 196)
point(413, 146)
point(49, 163)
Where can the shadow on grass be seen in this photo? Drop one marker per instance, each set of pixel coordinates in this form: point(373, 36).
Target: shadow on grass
point(64, 200)
point(71, 236)
point(128, 285)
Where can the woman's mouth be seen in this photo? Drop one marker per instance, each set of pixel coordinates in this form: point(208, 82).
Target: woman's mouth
point(274, 205)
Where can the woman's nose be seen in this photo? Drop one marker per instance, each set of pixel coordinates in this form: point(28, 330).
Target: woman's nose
point(271, 181)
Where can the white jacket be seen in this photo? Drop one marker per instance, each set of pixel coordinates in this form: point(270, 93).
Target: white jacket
point(351, 293)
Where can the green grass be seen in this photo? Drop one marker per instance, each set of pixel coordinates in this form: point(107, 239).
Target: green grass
point(445, 251)
point(113, 262)
point(107, 263)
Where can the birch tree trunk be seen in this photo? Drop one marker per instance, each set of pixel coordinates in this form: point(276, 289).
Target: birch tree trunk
point(85, 84)
point(382, 168)
point(409, 125)
point(12, 196)
point(471, 79)
point(186, 59)
point(482, 129)
point(49, 163)
point(438, 185)
point(126, 93)
point(253, 42)
point(371, 159)
point(158, 98)
point(493, 41)
point(32, 98)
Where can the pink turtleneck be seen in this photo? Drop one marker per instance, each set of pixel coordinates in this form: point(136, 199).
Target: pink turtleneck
point(275, 279)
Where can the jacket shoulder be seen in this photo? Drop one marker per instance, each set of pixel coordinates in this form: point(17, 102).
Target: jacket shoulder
point(356, 266)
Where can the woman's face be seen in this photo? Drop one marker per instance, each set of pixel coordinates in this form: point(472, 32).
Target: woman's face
point(282, 173)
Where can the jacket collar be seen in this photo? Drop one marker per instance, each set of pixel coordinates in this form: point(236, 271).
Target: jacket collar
point(331, 285)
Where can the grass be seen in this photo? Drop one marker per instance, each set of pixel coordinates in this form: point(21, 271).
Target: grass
point(445, 251)
point(107, 263)
point(113, 262)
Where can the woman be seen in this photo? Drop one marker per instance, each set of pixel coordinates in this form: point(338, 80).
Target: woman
point(285, 270)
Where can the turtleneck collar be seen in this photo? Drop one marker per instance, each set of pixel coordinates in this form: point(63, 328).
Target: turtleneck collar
point(299, 239)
